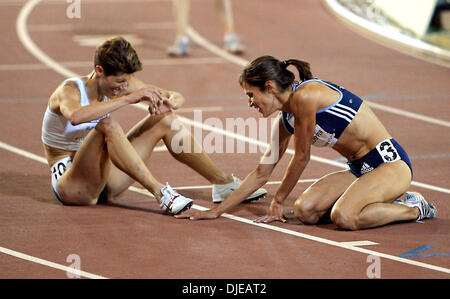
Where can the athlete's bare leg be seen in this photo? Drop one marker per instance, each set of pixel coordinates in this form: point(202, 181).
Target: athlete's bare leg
point(368, 201)
point(225, 12)
point(181, 16)
point(321, 196)
point(83, 181)
point(148, 132)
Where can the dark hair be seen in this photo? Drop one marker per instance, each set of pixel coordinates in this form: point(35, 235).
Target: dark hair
point(264, 68)
point(116, 55)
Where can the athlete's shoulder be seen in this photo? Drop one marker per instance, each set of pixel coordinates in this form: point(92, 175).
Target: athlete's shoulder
point(67, 91)
point(70, 88)
point(307, 92)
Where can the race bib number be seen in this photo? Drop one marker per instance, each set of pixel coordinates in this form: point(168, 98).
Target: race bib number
point(59, 168)
point(387, 151)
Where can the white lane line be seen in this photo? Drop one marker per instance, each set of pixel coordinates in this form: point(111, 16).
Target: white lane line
point(344, 245)
point(201, 41)
point(37, 260)
point(24, 37)
point(143, 191)
point(408, 114)
point(430, 187)
point(22, 152)
point(359, 243)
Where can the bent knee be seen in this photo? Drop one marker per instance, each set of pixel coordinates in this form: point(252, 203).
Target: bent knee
point(70, 201)
point(77, 197)
point(109, 127)
point(344, 220)
point(306, 212)
point(169, 121)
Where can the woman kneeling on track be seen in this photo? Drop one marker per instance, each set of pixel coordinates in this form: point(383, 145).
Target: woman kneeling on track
point(321, 113)
point(90, 157)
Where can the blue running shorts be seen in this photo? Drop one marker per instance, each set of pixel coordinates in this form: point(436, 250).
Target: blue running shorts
point(387, 151)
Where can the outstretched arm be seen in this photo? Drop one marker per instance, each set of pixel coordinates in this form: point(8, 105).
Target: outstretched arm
point(256, 179)
point(304, 111)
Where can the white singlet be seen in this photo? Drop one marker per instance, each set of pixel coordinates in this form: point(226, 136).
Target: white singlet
point(59, 133)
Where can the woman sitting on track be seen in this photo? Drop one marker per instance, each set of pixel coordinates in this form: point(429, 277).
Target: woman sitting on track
point(320, 113)
point(78, 132)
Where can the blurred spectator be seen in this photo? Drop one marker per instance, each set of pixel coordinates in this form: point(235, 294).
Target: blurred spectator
point(180, 47)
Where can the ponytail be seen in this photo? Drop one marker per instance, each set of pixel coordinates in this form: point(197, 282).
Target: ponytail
point(265, 68)
point(302, 67)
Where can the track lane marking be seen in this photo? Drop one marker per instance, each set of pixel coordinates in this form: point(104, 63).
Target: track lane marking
point(40, 261)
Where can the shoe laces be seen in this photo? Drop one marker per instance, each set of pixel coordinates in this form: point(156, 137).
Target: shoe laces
point(169, 191)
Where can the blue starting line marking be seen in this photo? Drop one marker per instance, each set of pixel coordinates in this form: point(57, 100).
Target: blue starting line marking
point(415, 252)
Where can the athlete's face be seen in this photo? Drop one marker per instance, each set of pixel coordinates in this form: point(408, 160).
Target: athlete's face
point(113, 85)
point(263, 101)
point(116, 85)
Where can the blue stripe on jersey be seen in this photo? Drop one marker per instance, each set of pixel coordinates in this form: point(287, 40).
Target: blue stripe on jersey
point(335, 118)
point(285, 117)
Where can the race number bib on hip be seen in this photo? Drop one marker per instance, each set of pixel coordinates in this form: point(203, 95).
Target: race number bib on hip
point(387, 151)
point(59, 168)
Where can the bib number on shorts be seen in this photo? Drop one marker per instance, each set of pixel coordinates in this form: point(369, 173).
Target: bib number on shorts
point(59, 168)
point(387, 151)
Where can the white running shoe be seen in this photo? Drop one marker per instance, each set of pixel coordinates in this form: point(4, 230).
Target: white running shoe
point(173, 202)
point(233, 44)
point(220, 192)
point(416, 200)
point(178, 49)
